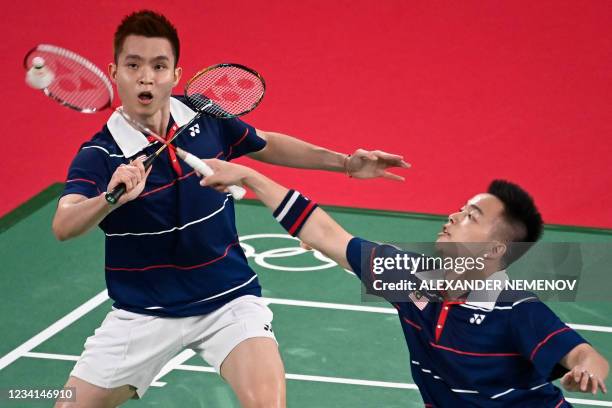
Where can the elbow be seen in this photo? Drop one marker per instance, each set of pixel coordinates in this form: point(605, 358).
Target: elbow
point(313, 240)
point(316, 238)
point(307, 241)
point(61, 237)
point(60, 233)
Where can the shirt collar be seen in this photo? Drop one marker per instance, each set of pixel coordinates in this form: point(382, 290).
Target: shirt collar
point(130, 140)
point(486, 299)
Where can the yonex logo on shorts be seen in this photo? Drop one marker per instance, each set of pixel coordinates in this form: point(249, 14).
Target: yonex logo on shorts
point(194, 130)
point(268, 327)
point(477, 318)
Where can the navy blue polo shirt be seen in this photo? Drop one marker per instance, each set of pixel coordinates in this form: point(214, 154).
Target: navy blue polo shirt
point(478, 354)
point(174, 250)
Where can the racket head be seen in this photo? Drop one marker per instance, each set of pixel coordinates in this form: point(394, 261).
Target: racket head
point(226, 90)
point(77, 82)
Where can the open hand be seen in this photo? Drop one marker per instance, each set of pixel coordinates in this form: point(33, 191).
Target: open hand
point(366, 164)
point(580, 379)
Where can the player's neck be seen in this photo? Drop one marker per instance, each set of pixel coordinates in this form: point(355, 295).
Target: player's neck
point(157, 122)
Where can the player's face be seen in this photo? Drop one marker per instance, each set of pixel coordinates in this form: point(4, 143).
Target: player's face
point(145, 74)
point(474, 222)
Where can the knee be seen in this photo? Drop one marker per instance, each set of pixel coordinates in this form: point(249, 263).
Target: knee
point(271, 395)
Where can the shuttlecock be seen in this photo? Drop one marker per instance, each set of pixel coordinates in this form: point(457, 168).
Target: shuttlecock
point(39, 76)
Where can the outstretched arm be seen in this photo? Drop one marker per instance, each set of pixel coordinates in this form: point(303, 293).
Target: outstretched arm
point(320, 231)
point(288, 151)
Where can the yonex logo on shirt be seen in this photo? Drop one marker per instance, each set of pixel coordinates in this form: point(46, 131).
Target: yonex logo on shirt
point(194, 130)
point(477, 318)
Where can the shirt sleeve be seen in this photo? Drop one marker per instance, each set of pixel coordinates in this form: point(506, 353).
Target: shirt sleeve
point(356, 254)
point(542, 337)
point(88, 174)
point(240, 138)
point(394, 283)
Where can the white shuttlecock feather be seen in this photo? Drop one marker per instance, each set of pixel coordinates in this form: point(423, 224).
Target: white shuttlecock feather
point(39, 76)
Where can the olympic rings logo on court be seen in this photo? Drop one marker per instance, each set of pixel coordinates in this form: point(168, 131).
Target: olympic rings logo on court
point(265, 258)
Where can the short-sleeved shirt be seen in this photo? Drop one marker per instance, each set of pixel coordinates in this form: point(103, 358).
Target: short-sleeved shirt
point(479, 354)
point(174, 250)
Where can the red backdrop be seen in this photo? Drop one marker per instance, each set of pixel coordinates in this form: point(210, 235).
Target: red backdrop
point(467, 91)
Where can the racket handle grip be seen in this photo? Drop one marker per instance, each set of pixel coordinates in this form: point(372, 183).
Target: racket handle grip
point(113, 196)
point(202, 168)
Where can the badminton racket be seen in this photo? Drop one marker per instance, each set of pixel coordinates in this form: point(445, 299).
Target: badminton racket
point(222, 91)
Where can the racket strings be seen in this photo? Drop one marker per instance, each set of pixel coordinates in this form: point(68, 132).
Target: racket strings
point(77, 82)
point(225, 91)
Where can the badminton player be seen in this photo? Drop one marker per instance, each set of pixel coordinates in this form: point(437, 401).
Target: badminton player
point(464, 352)
point(174, 267)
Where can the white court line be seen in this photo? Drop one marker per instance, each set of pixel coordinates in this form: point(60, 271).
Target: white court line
point(315, 378)
point(324, 305)
point(56, 327)
point(301, 377)
point(338, 380)
point(589, 402)
point(588, 327)
point(103, 296)
point(177, 360)
point(50, 356)
point(187, 354)
point(388, 310)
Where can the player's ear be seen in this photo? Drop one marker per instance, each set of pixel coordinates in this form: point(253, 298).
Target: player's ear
point(178, 71)
point(112, 71)
point(497, 250)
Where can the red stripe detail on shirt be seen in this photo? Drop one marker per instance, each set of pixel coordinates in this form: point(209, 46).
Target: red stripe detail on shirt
point(81, 179)
point(183, 268)
point(246, 132)
point(470, 353)
point(166, 185)
point(441, 320)
point(446, 306)
point(560, 403)
point(413, 324)
point(372, 275)
point(86, 181)
point(300, 219)
point(540, 344)
point(174, 181)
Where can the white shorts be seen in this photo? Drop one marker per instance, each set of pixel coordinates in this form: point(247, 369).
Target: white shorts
point(131, 348)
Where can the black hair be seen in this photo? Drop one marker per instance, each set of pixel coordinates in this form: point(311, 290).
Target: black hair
point(520, 214)
point(146, 23)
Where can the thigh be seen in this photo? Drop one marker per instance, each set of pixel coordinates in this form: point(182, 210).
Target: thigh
point(91, 396)
point(221, 331)
point(255, 372)
point(241, 346)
